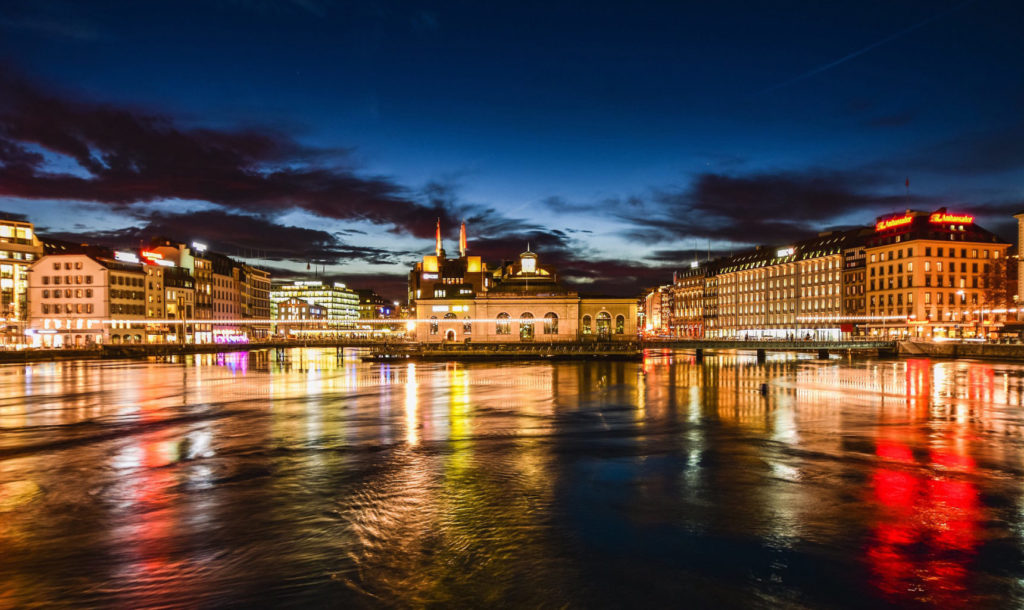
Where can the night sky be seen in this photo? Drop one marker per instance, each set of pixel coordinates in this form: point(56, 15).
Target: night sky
point(615, 138)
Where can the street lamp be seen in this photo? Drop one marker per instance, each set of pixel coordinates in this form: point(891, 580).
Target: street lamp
point(963, 300)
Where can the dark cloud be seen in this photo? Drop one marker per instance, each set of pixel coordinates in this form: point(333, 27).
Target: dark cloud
point(762, 207)
point(242, 235)
point(128, 156)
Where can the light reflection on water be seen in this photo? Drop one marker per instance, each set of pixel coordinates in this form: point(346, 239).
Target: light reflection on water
point(306, 475)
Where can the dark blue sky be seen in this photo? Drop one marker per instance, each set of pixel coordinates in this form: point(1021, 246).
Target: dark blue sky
point(614, 136)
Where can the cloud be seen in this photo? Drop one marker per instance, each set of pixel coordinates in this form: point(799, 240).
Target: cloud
point(759, 207)
point(127, 156)
point(242, 235)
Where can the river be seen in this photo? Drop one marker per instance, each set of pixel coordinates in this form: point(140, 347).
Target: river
point(307, 477)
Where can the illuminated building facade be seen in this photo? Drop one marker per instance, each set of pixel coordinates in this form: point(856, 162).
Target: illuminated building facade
point(179, 304)
point(255, 300)
point(936, 275)
point(914, 274)
point(658, 309)
point(372, 306)
point(19, 249)
point(788, 292)
point(691, 313)
point(340, 304)
point(196, 260)
point(440, 277)
point(524, 302)
point(71, 295)
point(295, 309)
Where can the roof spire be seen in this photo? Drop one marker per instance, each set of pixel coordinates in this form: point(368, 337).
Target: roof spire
point(437, 239)
point(462, 239)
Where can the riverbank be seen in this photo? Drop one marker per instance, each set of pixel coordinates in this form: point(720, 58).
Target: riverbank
point(509, 351)
point(146, 351)
point(956, 349)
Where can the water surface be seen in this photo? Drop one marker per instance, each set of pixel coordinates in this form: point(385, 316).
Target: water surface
point(306, 477)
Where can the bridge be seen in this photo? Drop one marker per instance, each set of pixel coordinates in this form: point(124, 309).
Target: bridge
point(823, 348)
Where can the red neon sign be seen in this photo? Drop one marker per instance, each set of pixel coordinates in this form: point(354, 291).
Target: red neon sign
point(943, 218)
point(148, 254)
point(890, 223)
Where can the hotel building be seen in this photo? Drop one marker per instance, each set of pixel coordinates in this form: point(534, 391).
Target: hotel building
point(935, 275)
point(788, 292)
point(915, 274)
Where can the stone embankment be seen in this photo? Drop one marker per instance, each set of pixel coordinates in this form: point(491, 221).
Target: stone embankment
point(957, 349)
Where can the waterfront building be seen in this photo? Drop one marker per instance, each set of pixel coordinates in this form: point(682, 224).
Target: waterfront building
point(179, 304)
point(917, 274)
point(373, 306)
point(524, 303)
point(440, 277)
point(255, 300)
point(689, 292)
point(340, 303)
point(790, 291)
point(657, 312)
point(197, 261)
point(298, 310)
point(226, 296)
point(78, 300)
point(935, 275)
point(19, 249)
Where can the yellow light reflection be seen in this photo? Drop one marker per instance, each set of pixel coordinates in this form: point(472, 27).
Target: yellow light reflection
point(412, 435)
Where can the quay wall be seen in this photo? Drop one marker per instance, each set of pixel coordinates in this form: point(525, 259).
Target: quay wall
point(953, 349)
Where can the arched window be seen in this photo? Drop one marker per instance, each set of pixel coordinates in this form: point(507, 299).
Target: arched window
point(620, 324)
point(467, 326)
point(551, 323)
point(604, 323)
point(450, 316)
point(504, 326)
point(586, 325)
point(433, 325)
point(526, 327)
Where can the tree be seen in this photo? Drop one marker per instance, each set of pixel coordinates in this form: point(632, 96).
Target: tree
point(998, 288)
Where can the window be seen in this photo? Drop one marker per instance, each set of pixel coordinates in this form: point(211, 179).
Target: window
point(620, 325)
point(450, 316)
point(46, 294)
point(88, 279)
point(550, 323)
point(503, 325)
point(46, 280)
point(467, 326)
point(433, 325)
point(526, 327)
point(586, 325)
point(604, 323)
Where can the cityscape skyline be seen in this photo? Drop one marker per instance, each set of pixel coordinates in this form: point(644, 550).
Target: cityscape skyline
point(618, 169)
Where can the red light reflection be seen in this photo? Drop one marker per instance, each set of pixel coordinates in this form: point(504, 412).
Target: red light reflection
point(927, 529)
